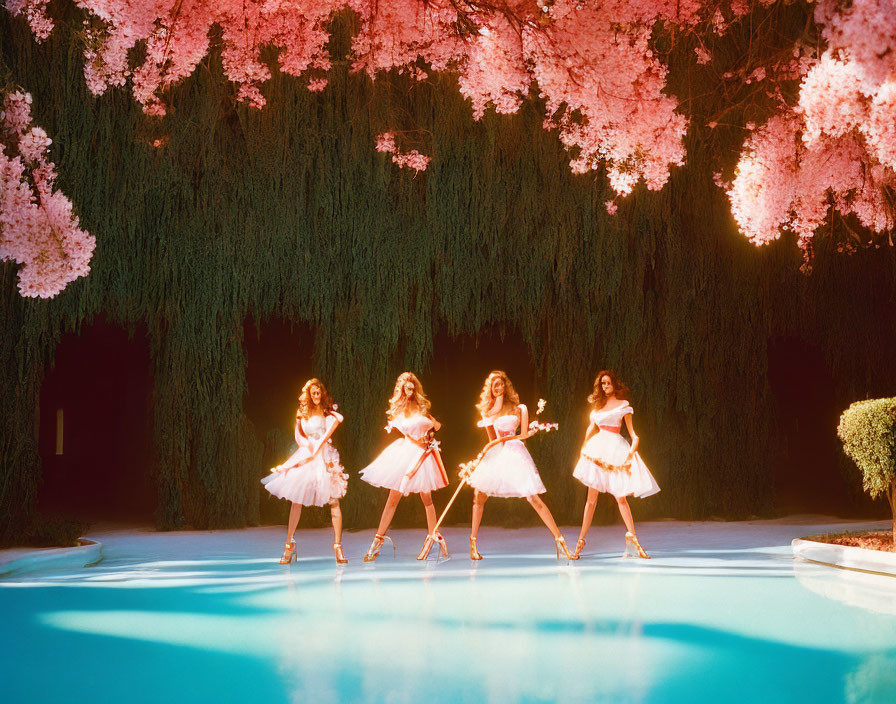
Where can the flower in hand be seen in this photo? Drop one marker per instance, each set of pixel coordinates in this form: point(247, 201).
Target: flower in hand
point(467, 468)
point(535, 427)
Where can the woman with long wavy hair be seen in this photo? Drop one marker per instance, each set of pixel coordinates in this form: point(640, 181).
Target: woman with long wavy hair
point(409, 465)
point(608, 463)
point(507, 468)
point(313, 475)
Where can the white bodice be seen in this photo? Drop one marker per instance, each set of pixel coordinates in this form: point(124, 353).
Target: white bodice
point(314, 427)
point(506, 425)
point(415, 426)
point(612, 417)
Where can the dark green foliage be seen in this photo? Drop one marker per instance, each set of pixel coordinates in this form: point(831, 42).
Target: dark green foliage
point(42, 531)
point(289, 213)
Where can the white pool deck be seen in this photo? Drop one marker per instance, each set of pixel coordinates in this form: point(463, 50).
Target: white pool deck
point(679, 544)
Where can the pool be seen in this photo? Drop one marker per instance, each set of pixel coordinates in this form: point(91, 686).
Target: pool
point(722, 613)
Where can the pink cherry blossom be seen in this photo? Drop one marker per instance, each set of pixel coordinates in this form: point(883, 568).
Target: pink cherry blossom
point(35, 11)
point(836, 148)
point(412, 159)
point(38, 229)
point(385, 142)
point(829, 142)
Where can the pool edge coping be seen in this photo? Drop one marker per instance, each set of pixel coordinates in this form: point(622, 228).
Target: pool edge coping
point(90, 552)
point(845, 556)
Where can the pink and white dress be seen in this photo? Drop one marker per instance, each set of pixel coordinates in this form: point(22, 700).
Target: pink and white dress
point(314, 483)
point(602, 463)
point(507, 469)
point(391, 469)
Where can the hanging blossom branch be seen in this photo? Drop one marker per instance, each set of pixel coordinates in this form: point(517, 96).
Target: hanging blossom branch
point(836, 147)
point(35, 11)
point(601, 83)
point(407, 160)
point(37, 227)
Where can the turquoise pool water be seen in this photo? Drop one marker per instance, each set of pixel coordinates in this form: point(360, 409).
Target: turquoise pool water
point(212, 618)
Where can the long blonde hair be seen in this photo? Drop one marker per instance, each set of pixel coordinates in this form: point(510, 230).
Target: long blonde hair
point(305, 402)
point(486, 400)
point(398, 404)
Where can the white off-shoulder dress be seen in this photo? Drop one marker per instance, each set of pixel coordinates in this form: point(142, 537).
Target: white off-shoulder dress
point(602, 463)
point(507, 469)
point(314, 483)
point(391, 466)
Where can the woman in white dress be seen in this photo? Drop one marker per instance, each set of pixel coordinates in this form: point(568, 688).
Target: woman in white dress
point(608, 463)
point(411, 464)
point(507, 469)
point(313, 475)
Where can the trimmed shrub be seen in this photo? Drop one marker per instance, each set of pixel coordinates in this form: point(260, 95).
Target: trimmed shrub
point(868, 432)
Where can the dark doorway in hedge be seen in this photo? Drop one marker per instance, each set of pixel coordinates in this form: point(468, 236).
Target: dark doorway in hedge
point(95, 427)
point(810, 471)
point(279, 361)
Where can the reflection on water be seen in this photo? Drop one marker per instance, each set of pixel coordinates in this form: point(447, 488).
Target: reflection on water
point(874, 678)
point(873, 681)
point(864, 590)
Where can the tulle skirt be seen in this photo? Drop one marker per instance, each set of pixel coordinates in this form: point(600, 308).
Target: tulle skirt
point(600, 467)
point(507, 470)
point(313, 484)
point(389, 468)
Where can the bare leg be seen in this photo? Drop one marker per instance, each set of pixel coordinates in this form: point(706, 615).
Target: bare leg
point(388, 511)
point(294, 514)
point(544, 513)
point(588, 516)
point(626, 513)
point(336, 517)
point(478, 509)
point(426, 497)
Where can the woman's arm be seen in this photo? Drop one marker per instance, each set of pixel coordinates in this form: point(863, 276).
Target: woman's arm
point(331, 427)
point(298, 434)
point(592, 429)
point(524, 419)
point(631, 431)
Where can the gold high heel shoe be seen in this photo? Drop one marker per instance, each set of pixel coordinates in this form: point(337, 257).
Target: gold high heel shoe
point(561, 545)
point(580, 545)
point(429, 542)
point(427, 546)
point(289, 553)
point(443, 547)
point(374, 550)
point(340, 556)
point(633, 547)
point(474, 552)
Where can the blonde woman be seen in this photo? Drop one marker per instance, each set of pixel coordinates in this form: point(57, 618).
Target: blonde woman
point(507, 469)
point(608, 463)
point(313, 475)
point(411, 464)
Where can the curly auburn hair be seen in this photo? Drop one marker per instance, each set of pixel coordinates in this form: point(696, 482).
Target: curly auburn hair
point(306, 405)
point(598, 398)
point(399, 404)
point(511, 397)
